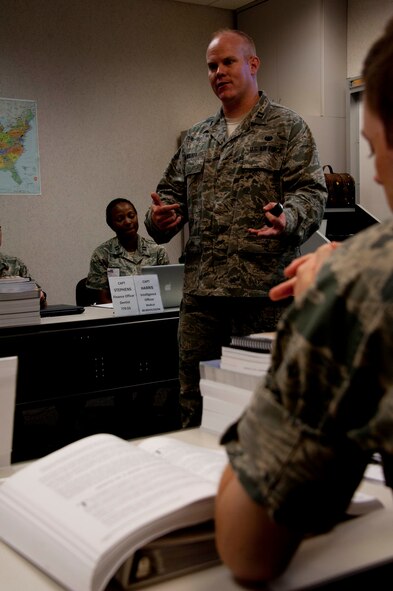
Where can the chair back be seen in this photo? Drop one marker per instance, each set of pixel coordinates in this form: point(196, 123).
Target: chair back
point(83, 295)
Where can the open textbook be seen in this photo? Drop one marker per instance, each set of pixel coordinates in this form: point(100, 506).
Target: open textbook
point(82, 511)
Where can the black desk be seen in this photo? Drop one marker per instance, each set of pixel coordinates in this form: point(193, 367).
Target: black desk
point(346, 221)
point(90, 373)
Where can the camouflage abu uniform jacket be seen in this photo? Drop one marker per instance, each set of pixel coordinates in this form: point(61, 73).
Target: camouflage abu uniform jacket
point(11, 266)
point(222, 185)
point(112, 255)
point(326, 406)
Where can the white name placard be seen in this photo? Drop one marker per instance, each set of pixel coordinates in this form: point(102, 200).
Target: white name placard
point(148, 293)
point(135, 294)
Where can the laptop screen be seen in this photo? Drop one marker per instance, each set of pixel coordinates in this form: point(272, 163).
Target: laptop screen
point(170, 278)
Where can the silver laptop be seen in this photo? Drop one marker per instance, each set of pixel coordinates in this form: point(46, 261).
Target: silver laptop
point(170, 278)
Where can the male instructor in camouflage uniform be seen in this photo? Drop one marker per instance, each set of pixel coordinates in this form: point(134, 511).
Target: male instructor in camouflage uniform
point(230, 170)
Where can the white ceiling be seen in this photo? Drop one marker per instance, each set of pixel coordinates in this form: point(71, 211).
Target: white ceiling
point(231, 4)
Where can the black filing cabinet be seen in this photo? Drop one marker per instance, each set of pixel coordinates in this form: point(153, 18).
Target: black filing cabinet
point(114, 375)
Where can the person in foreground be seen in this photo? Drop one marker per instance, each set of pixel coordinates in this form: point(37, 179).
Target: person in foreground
point(11, 266)
point(300, 449)
point(228, 174)
point(125, 253)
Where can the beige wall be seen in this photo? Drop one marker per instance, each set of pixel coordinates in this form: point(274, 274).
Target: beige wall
point(304, 64)
point(115, 82)
point(366, 21)
point(306, 60)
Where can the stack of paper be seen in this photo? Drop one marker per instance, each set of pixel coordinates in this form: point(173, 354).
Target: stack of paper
point(227, 384)
point(19, 302)
point(226, 393)
point(245, 361)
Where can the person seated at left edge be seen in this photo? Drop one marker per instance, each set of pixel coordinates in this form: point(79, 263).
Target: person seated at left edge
point(11, 266)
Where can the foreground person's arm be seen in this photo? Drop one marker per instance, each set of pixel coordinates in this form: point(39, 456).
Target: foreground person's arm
point(253, 546)
point(302, 273)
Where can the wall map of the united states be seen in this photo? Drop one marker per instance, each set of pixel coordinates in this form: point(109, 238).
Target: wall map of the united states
point(19, 155)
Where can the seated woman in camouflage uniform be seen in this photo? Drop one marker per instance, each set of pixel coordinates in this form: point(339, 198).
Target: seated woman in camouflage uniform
point(125, 253)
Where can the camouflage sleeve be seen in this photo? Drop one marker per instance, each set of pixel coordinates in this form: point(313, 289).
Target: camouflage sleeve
point(97, 277)
point(304, 482)
point(13, 266)
point(23, 270)
point(162, 256)
point(303, 183)
point(172, 188)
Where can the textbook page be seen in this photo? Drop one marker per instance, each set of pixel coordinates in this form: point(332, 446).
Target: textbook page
point(81, 511)
point(207, 463)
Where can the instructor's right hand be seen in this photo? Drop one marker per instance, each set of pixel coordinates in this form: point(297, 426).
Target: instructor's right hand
point(164, 217)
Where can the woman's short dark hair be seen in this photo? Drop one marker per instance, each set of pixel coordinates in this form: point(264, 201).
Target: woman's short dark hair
point(112, 205)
